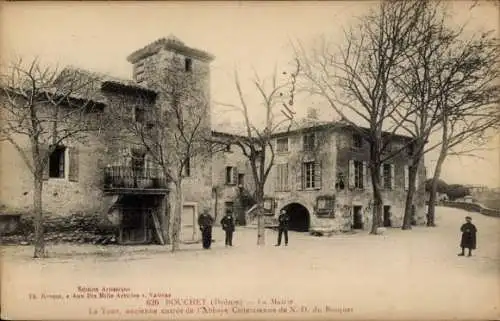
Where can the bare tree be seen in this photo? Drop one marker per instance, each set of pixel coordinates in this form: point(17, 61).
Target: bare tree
point(276, 101)
point(173, 130)
point(451, 84)
point(47, 108)
point(356, 79)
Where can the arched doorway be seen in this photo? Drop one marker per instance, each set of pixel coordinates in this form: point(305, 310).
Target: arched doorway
point(299, 217)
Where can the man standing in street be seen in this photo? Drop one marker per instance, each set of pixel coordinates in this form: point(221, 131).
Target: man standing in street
point(227, 223)
point(468, 237)
point(283, 220)
point(205, 221)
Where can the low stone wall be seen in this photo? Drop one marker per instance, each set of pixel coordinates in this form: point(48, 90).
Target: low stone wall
point(472, 207)
point(74, 228)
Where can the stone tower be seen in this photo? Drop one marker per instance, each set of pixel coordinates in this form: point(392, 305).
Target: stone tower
point(167, 63)
point(152, 62)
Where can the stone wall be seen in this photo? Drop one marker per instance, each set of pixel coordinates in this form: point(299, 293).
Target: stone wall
point(60, 195)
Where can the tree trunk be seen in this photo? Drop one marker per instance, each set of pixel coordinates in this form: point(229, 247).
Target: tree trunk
point(165, 219)
point(412, 175)
point(38, 219)
point(431, 211)
point(259, 195)
point(377, 199)
point(176, 224)
point(216, 209)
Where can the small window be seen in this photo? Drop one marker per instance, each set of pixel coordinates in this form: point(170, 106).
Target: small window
point(188, 64)
point(139, 114)
point(340, 184)
point(357, 141)
point(57, 162)
point(309, 142)
point(230, 173)
point(227, 148)
point(241, 179)
point(411, 149)
point(282, 145)
point(138, 160)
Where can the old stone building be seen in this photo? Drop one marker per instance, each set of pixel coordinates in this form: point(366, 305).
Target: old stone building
point(114, 179)
point(320, 173)
point(321, 177)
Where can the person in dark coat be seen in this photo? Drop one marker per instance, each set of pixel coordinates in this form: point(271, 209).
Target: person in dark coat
point(283, 220)
point(206, 221)
point(468, 237)
point(227, 223)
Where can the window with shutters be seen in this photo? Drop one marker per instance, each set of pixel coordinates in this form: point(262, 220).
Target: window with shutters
point(282, 145)
point(358, 175)
point(282, 184)
point(231, 175)
point(57, 162)
point(309, 142)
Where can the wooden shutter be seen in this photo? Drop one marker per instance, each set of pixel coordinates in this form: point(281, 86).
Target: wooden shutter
point(277, 170)
point(317, 174)
point(285, 178)
point(43, 153)
point(299, 183)
point(365, 176)
point(407, 177)
point(392, 176)
point(74, 164)
point(235, 176)
point(351, 174)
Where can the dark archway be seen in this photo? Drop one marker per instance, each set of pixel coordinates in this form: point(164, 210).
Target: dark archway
point(299, 217)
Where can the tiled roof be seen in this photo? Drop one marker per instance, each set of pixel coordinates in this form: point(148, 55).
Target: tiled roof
point(172, 43)
point(85, 84)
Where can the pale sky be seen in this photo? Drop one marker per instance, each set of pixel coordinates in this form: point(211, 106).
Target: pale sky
point(100, 35)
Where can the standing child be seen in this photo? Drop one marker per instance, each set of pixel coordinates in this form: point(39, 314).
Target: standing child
point(468, 237)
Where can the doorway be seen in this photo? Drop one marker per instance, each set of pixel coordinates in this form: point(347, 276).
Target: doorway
point(387, 216)
point(299, 217)
point(357, 218)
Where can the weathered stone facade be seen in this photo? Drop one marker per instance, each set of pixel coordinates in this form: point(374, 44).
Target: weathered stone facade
point(333, 183)
point(304, 179)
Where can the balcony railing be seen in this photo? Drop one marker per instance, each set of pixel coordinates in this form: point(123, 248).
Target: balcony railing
point(123, 177)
